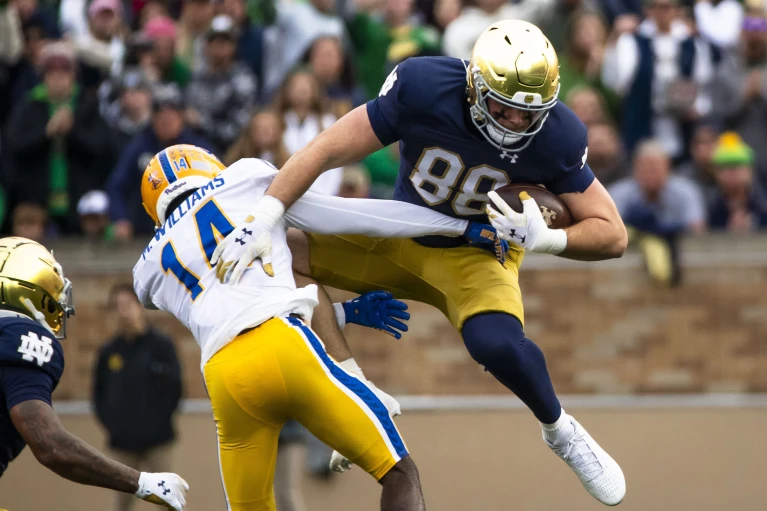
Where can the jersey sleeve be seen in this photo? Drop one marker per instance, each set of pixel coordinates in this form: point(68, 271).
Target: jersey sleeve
point(21, 384)
point(388, 112)
point(325, 214)
point(26, 344)
point(569, 170)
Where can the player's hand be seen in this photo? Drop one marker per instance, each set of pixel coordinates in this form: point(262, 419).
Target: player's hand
point(249, 241)
point(338, 463)
point(379, 310)
point(487, 237)
point(528, 229)
point(164, 489)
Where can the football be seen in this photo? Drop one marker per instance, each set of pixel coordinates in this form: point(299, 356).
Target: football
point(554, 211)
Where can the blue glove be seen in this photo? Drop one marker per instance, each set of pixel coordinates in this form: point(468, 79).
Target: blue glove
point(486, 237)
point(379, 310)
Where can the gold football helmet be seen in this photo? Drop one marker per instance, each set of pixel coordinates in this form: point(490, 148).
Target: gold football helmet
point(174, 171)
point(32, 283)
point(514, 64)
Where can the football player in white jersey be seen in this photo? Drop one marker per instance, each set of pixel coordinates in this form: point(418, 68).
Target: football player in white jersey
point(261, 362)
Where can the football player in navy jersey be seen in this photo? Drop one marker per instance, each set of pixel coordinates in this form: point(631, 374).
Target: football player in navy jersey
point(465, 129)
point(35, 301)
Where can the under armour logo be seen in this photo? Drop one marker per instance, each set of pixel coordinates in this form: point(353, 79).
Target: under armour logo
point(245, 232)
point(165, 489)
point(513, 234)
point(35, 349)
point(512, 156)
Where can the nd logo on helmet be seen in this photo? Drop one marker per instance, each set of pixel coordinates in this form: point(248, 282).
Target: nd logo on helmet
point(529, 99)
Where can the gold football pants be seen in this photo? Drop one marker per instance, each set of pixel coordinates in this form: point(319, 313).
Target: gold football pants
point(280, 371)
point(461, 282)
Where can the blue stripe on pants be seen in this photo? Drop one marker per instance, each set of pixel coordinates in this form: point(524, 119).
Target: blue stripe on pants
point(357, 387)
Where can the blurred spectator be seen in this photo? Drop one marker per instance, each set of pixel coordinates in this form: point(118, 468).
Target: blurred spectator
point(558, 22)
point(29, 220)
point(382, 41)
point(93, 210)
point(221, 95)
point(11, 36)
point(333, 69)
point(462, 33)
point(251, 37)
point(163, 65)
point(167, 127)
point(304, 111)
point(136, 390)
point(126, 105)
point(29, 10)
point(150, 10)
point(662, 72)
point(297, 24)
point(700, 168)
point(655, 201)
point(606, 156)
point(719, 21)
point(444, 12)
point(58, 142)
point(262, 138)
point(190, 41)
point(588, 104)
point(355, 183)
point(580, 60)
point(740, 205)
point(101, 49)
point(740, 90)
point(11, 51)
point(38, 31)
point(383, 169)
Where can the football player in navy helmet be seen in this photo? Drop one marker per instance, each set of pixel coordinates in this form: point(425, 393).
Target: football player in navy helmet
point(466, 128)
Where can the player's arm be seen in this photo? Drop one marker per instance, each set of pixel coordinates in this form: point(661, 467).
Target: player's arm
point(63, 453)
point(325, 214)
point(347, 141)
point(598, 232)
point(28, 393)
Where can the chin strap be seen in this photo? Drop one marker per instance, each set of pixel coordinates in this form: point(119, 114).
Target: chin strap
point(39, 316)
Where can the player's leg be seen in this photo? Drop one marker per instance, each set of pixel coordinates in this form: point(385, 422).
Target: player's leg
point(467, 283)
point(249, 404)
point(490, 321)
point(324, 321)
point(345, 413)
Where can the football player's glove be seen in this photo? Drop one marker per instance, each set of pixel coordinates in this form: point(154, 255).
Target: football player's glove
point(249, 241)
point(379, 310)
point(528, 229)
point(486, 237)
point(164, 489)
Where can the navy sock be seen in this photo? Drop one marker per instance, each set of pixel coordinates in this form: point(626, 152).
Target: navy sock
point(496, 341)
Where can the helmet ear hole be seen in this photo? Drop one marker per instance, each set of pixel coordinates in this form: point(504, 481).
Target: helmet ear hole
point(50, 305)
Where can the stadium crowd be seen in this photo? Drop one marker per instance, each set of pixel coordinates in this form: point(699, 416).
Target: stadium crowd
point(674, 95)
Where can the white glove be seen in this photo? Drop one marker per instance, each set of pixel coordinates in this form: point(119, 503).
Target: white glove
point(249, 241)
point(528, 229)
point(338, 462)
point(164, 489)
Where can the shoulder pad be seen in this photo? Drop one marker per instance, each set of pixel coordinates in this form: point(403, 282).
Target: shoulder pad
point(26, 343)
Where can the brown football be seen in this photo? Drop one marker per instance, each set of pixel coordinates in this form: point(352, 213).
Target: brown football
point(555, 212)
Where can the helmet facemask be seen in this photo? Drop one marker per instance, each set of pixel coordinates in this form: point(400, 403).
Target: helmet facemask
point(497, 135)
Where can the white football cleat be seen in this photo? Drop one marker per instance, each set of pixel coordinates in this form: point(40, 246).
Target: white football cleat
point(598, 472)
